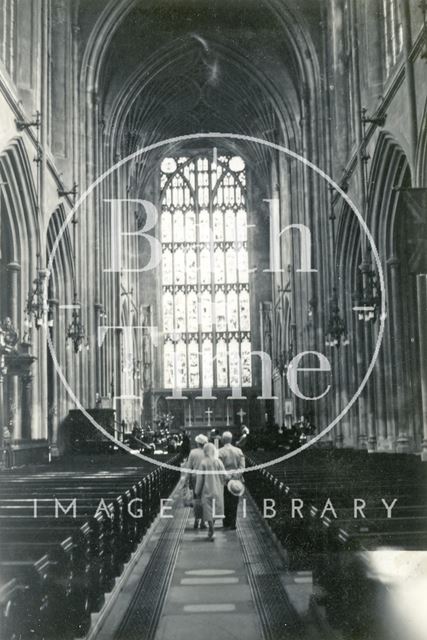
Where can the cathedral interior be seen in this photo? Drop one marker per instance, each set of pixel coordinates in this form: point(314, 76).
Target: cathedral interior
point(213, 217)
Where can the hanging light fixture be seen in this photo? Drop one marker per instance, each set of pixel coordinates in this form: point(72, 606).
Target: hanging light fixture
point(76, 330)
point(281, 363)
point(336, 333)
point(136, 372)
point(312, 306)
point(283, 360)
point(369, 298)
point(37, 307)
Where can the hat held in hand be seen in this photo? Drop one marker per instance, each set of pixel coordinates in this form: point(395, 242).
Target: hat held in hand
point(236, 487)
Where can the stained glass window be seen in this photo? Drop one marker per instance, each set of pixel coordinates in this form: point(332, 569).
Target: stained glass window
point(206, 300)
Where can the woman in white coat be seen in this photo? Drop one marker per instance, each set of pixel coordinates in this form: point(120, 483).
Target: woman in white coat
point(210, 487)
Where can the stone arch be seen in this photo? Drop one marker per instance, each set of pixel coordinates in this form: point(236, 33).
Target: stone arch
point(60, 292)
point(21, 229)
point(115, 11)
point(20, 218)
point(390, 181)
point(388, 170)
point(63, 267)
point(421, 153)
point(173, 54)
point(302, 51)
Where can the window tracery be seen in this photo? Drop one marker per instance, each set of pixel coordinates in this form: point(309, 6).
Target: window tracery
point(205, 284)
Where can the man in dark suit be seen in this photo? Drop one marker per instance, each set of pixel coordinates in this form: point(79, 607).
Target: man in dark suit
point(234, 463)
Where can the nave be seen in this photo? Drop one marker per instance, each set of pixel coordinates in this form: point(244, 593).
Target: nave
point(212, 217)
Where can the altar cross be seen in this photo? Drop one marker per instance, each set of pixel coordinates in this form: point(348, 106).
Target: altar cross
point(190, 424)
point(241, 413)
point(209, 412)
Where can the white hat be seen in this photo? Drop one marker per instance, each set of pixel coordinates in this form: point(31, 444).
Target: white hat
point(201, 439)
point(236, 487)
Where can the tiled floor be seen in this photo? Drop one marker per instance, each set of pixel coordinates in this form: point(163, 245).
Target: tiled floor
point(209, 597)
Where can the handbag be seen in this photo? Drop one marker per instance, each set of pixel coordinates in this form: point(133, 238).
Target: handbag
point(188, 498)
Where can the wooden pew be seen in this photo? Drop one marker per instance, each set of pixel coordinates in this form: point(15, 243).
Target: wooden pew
point(33, 576)
point(88, 536)
point(338, 550)
point(13, 600)
point(63, 564)
point(85, 582)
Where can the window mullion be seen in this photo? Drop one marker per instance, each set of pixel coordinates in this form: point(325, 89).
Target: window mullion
point(198, 288)
point(212, 263)
point(226, 292)
point(236, 251)
point(174, 341)
point(187, 337)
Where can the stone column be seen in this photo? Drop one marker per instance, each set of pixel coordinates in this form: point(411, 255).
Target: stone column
point(339, 78)
point(61, 77)
point(345, 386)
point(14, 404)
point(422, 332)
point(117, 373)
point(387, 356)
point(373, 23)
point(337, 380)
point(411, 92)
point(365, 268)
point(362, 435)
point(370, 394)
point(53, 413)
point(381, 408)
point(27, 400)
point(2, 412)
point(97, 353)
point(351, 368)
point(39, 411)
point(403, 444)
point(13, 269)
